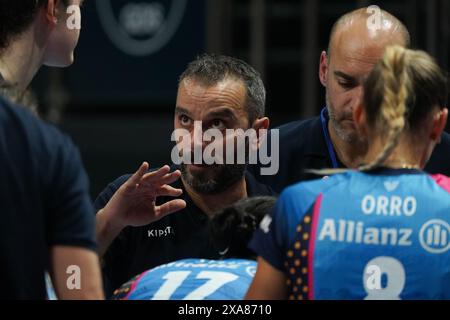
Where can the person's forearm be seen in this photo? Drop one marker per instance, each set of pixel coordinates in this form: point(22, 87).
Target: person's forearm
point(75, 273)
point(106, 230)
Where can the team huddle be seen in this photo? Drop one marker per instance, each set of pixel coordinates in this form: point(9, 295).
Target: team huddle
point(358, 209)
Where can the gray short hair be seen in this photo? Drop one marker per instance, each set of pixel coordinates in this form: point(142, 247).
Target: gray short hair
point(210, 69)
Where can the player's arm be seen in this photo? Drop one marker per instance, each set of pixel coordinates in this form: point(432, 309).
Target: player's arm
point(268, 284)
point(133, 204)
point(75, 273)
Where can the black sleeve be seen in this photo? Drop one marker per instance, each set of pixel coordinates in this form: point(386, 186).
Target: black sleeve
point(70, 214)
point(108, 192)
point(104, 197)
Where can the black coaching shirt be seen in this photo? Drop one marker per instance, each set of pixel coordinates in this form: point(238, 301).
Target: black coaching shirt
point(44, 201)
point(178, 236)
point(304, 145)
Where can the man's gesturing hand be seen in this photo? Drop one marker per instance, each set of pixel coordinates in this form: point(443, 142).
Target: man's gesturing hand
point(134, 203)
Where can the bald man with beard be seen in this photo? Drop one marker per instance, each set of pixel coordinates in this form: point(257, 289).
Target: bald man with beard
point(331, 140)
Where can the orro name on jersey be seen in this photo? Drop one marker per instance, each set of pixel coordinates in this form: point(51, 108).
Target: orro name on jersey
point(393, 206)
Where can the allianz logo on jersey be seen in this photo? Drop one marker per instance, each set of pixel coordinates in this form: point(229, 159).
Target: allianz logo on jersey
point(434, 235)
point(160, 233)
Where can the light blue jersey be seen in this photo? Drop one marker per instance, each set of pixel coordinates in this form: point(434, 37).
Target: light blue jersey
point(192, 279)
point(378, 235)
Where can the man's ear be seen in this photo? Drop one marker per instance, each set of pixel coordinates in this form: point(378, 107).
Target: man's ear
point(261, 126)
point(439, 123)
point(51, 11)
point(323, 68)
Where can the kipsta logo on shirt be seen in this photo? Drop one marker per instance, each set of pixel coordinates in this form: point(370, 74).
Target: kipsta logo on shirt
point(160, 233)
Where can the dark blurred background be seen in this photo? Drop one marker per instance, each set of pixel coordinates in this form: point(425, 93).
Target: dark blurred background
point(117, 100)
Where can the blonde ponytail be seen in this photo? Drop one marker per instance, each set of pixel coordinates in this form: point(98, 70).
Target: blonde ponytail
point(393, 73)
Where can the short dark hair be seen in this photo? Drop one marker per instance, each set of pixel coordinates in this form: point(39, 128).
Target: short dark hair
point(16, 16)
point(210, 69)
point(231, 229)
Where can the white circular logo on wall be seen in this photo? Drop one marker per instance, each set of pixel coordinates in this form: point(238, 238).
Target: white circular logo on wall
point(141, 28)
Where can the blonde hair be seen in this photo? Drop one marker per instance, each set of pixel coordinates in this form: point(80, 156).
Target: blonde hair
point(401, 91)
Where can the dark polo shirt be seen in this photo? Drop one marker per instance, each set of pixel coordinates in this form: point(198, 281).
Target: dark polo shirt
point(306, 145)
point(181, 235)
point(44, 201)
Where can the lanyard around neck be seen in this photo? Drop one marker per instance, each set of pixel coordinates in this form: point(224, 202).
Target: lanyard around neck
point(324, 120)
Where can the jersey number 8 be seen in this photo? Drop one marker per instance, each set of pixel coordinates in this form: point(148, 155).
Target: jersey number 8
point(395, 273)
